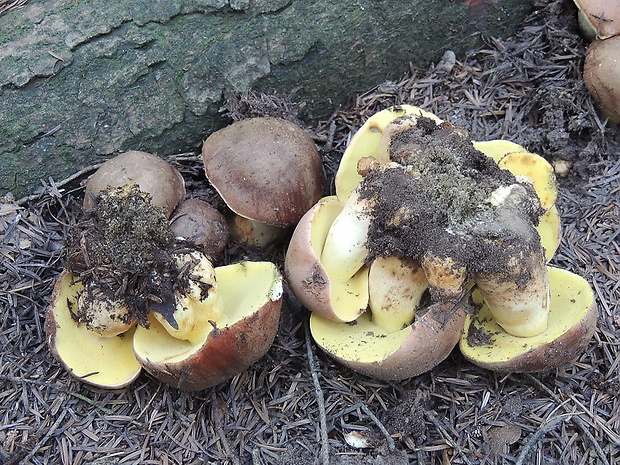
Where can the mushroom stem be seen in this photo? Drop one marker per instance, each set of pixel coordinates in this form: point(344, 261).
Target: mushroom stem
point(345, 249)
point(518, 299)
point(395, 289)
point(198, 305)
point(445, 276)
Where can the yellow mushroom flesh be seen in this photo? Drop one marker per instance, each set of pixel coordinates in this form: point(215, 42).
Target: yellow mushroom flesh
point(196, 305)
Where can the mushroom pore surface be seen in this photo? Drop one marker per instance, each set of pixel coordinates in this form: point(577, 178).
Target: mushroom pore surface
point(444, 197)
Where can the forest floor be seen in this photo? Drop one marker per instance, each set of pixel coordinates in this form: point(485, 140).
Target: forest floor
point(297, 406)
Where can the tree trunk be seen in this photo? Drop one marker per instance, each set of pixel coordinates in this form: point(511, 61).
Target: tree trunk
point(83, 79)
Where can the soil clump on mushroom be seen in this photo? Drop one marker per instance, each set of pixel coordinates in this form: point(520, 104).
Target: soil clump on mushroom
point(440, 198)
point(122, 252)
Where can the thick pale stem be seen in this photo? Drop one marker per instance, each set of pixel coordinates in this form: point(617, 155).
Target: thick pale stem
point(395, 288)
point(197, 310)
point(445, 276)
point(345, 249)
point(519, 298)
point(101, 314)
point(254, 232)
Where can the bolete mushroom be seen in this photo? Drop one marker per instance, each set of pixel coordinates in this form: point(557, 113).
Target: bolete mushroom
point(150, 173)
point(92, 358)
point(268, 171)
point(599, 19)
point(131, 281)
point(426, 209)
point(214, 340)
point(601, 74)
point(571, 323)
point(199, 222)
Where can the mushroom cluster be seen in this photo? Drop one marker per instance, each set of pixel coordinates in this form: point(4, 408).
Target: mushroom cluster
point(600, 22)
point(140, 289)
point(423, 218)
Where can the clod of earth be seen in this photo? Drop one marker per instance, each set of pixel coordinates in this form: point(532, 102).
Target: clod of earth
point(268, 171)
point(138, 293)
point(421, 215)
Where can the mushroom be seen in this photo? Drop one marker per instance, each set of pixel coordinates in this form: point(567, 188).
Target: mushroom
point(94, 359)
point(426, 210)
point(601, 74)
point(215, 340)
point(367, 142)
point(130, 283)
point(372, 322)
point(150, 173)
point(599, 19)
point(336, 300)
point(202, 224)
point(268, 171)
point(571, 323)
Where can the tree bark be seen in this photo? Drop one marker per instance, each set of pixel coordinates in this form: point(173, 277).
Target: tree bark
point(79, 80)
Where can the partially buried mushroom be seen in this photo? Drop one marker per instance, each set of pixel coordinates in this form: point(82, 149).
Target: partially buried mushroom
point(385, 266)
point(269, 173)
point(137, 293)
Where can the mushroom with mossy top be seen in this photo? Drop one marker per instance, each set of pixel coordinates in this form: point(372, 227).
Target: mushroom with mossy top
point(408, 234)
point(152, 174)
point(268, 171)
point(131, 281)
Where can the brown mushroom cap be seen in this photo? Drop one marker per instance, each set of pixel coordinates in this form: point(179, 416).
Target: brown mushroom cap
point(201, 223)
point(151, 173)
point(265, 169)
point(601, 73)
point(602, 17)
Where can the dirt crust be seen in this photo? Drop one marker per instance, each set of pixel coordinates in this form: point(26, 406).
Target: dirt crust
point(438, 199)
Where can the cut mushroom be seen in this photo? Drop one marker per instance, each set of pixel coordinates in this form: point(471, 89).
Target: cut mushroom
point(423, 207)
point(308, 278)
point(106, 362)
point(250, 296)
point(367, 142)
point(267, 170)
point(368, 348)
point(571, 323)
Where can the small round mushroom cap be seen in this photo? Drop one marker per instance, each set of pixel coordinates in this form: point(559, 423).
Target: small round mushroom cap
point(265, 169)
point(151, 173)
point(201, 223)
point(599, 18)
point(601, 73)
